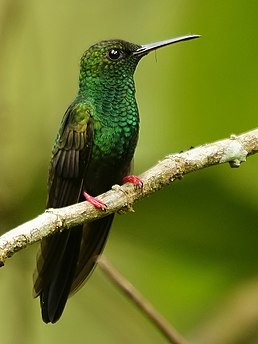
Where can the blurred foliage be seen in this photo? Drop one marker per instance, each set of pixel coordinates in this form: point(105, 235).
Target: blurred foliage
point(188, 247)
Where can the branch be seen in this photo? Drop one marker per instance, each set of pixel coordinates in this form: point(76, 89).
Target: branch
point(143, 304)
point(121, 198)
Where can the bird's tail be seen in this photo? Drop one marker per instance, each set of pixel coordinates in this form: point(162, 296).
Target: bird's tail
point(64, 263)
point(94, 237)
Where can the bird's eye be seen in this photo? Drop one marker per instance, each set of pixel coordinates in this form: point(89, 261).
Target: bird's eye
point(114, 54)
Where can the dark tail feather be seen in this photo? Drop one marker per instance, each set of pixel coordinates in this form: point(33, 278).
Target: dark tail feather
point(65, 262)
point(94, 238)
point(56, 268)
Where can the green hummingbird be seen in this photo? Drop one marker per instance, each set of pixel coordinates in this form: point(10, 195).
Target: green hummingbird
point(93, 150)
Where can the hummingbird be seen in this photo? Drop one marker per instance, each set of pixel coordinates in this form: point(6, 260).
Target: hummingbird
point(93, 150)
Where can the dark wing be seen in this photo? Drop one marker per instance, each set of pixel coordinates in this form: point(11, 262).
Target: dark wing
point(57, 259)
point(71, 154)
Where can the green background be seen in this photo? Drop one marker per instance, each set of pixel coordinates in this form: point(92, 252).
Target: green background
point(191, 248)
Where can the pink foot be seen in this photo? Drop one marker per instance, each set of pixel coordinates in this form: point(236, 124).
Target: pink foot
point(134, 180)
point(94, 201)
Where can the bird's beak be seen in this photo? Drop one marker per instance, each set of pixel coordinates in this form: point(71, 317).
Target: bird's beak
point(146, 48)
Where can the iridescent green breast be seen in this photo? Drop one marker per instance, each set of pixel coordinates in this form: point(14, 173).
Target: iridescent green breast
point(115, 117)
point(117, 138)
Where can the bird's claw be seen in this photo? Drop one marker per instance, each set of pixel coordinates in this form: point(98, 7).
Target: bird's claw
point(134, 180)
point(94, 201)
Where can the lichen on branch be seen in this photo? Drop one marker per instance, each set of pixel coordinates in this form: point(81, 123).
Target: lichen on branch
point(233, 150)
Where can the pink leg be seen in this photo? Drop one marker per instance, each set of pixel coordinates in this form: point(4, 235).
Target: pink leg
point(94, 201)
point(134, 180)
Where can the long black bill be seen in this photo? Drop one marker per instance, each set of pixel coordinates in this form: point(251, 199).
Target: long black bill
point(146, 48)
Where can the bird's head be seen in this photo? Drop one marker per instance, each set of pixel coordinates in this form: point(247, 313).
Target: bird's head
point(113, 58)
point(118, 58)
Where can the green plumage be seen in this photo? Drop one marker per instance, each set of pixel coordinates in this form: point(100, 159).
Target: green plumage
point(109, 88)
point(93, 151)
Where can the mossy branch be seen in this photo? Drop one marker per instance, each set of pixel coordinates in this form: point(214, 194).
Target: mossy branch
point(234, 150)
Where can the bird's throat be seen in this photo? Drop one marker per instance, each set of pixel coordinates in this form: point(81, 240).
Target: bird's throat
point(115, 115)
